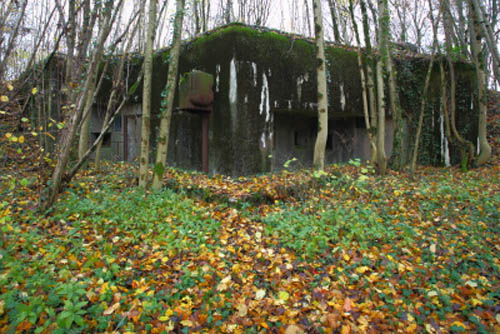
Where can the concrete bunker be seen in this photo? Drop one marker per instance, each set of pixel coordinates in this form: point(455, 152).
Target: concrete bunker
point(263, 112)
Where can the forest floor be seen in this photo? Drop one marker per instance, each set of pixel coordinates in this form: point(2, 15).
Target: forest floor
point(344, 251)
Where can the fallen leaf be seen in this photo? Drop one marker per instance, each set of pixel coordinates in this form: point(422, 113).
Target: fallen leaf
point(283, 295)
point(347, 305)
point(459, 324)
point(187, 323)
point(223, 285)
point(429, 329)
point(432, 294)
point(166, 317)
point(260, 294)
point(293, 329)
point(362, 270)
point(412, 328)
point(332, 320)
point(471, 284)
point(346, 329)
point(111, 309)
point(242, 310)
point(363, 323)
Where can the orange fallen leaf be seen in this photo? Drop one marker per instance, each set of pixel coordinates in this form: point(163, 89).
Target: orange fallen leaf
point(346, 329)
point(187, 323)
point(332, 320)
point(347, 305)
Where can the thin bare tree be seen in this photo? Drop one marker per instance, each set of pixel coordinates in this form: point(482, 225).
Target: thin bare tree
point(15, 10)
point(166, 114)
point(383, 41)
point(364, 85)
point(483, 29)
point(320, 145)
point(335, 24)
point(478, 31)
point(465, 146)
point(146, 96)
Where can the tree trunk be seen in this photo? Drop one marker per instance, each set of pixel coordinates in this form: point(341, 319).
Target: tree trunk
point(370, 82)
point(333, 13)
point(398, 154)
point(482, 25)
point(465, 146)
point(421, 115)
point(478, 58)
point(382, 50)
point(205, 14)
point(71, 67)
point(444, 102)
point(320, 145)
point(166, 115)
point(146, 97)
point(364, 92)
point(425, 93)
point(12, 40)
point(461, 28)
point(83, 143)
point(381, 157)
point(307, 17)
point(197, 25)
point(228, 11)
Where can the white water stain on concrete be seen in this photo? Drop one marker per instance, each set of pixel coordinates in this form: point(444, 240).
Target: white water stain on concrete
point(342, 97)
point(264, 98)
point(217, 80)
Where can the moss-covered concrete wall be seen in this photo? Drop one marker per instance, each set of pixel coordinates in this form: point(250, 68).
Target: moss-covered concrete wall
point(265, 99)
point(411, 76)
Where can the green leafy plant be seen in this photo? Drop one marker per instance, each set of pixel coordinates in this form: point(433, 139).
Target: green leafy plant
point(73, 312)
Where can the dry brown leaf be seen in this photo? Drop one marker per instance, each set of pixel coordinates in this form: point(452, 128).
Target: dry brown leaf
point(242, 310)
point(332, 320)
point(293, 329)
point(111, 309)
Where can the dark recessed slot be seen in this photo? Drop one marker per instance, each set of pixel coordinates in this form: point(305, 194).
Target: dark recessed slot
point(329, 142)
point(360, 123)
point(106, 139)
point(117, 124)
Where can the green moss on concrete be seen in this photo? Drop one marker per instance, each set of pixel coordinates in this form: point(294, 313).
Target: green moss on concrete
point(411, 79)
